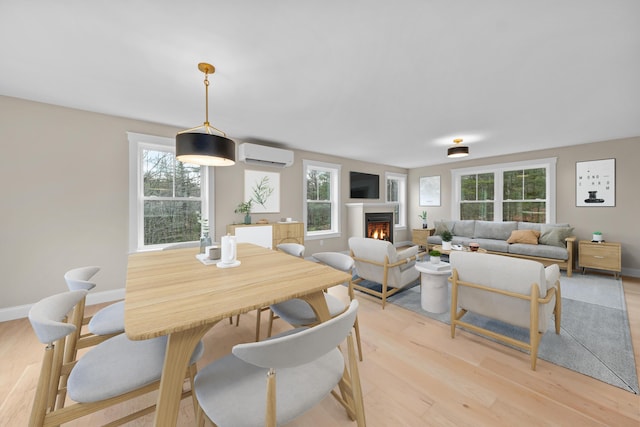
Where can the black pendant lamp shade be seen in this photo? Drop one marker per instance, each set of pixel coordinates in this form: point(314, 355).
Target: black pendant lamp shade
point(457, 150)
point(205, 147)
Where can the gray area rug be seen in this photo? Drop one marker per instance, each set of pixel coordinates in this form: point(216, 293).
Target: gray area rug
point(594, 339)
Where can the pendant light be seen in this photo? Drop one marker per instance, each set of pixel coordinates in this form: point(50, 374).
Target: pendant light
point(202, 145)
point(457, 150)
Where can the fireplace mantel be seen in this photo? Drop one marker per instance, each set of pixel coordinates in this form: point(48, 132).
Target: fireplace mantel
point(355, 215)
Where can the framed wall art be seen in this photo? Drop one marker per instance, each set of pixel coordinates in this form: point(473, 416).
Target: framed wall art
point(263, 188)
point(596, 183)
point(430, 190)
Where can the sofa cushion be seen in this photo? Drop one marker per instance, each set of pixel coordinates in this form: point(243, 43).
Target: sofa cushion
point(536, 226)
point(493, 245)
point(464, 228)
point(543, 251)
point(554, 236)
point(499, 230)
point(529, 237)
point(441, 226)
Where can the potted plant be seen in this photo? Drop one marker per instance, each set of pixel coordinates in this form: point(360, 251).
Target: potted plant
point(423, 217)
point(434, 256)
point(446, 240)
point(245, 208)
point(597, 236)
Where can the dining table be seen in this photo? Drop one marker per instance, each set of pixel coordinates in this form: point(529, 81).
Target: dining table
point(173, 293)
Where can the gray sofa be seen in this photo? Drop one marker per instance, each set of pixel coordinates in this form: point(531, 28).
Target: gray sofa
point(554, 244)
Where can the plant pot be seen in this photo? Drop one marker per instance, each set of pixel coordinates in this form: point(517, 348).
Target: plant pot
point(446, 246)
point(597, 238)
point(434, 259)
point(247, 219)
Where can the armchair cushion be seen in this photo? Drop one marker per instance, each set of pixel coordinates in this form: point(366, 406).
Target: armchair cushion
point(506, 274)
point(377, 251)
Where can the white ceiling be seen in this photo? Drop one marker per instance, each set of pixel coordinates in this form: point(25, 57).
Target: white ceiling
point(383, 81)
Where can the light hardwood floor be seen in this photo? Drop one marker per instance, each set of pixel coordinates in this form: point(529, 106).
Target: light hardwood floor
point(413, 374)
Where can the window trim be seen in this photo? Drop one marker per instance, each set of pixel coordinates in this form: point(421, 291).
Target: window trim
point(336, 171)
point(549, 164)
point(402, 196)
point(138, 142)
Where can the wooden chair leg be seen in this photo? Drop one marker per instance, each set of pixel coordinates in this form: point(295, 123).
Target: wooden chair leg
point(258, 315)
point(357, 328)
point(270, 420)
point(558, 308)
point(270, 327)
point(356, 387)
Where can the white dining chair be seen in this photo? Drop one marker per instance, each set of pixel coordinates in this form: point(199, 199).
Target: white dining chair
point(298, 312)
point(116, 370)
point(291, 372)
point(294, 249)
point(106, 322)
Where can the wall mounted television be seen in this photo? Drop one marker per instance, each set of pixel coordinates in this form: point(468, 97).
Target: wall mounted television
point(364, 185)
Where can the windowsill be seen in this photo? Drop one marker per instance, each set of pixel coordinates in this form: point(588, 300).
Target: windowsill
point(318, 236)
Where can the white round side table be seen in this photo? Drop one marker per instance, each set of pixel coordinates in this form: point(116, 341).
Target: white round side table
point(433, 286)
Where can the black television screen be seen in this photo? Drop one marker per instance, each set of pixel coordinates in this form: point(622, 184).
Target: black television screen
point(364, 185)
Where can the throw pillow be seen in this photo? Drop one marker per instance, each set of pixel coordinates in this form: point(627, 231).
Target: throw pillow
point(441, 226)
point(554, 236)
point(529, 237)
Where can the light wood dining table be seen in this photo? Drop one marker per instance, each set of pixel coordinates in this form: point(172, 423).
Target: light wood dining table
point(173, 293)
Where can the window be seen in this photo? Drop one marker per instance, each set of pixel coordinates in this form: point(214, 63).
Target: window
point(524, 195)
point(321, 199)
point(167, 197)
point(506, 192)
point(477, 191)
point(396, 194)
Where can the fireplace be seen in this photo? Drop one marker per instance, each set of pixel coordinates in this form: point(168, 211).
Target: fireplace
point(379, 225)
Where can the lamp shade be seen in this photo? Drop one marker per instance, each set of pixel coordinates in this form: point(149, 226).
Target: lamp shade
point(205, 149)
point(458, 151)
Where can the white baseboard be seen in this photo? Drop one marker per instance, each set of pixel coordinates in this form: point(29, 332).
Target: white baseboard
point(21, 311)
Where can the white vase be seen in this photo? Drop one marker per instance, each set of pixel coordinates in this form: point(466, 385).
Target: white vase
point(446, 246)
point(434, 260)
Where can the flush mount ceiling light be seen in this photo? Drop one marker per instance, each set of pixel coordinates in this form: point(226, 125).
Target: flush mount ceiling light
point(457, 150)
point(202, 145)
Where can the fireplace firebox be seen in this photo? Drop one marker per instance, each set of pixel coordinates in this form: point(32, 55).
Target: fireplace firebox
point(379, 225)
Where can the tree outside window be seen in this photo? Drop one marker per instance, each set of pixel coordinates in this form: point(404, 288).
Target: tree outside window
point(396, 195)
point(321, 198)
point(519, 191)
point(524, 195)
point(477, 196)
point(167, 197)
point(171, 195)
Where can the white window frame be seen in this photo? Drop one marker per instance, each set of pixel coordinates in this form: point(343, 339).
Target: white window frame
point(335, 170)
point(402, 197)
point(137, 143)
point(549, 164)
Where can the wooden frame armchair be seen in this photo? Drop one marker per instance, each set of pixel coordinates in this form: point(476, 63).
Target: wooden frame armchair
point(516, 291)
point(378, 261)
point(114, 371)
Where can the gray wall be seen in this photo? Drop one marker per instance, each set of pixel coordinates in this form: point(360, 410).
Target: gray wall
point(618, 224)
point(65, 196)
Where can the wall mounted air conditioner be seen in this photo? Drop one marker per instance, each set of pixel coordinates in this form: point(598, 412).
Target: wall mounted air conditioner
point(262, 155)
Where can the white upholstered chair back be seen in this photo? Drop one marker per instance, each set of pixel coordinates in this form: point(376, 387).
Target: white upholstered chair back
point(377, 250)
point(508, 274)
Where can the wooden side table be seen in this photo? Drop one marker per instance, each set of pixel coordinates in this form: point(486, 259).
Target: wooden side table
point(601, 256)
point(419, 236)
